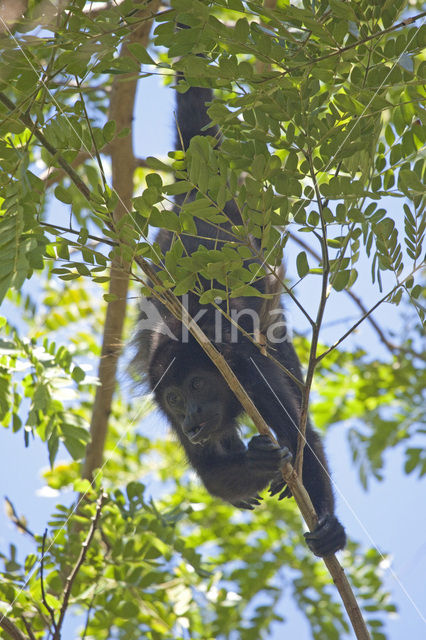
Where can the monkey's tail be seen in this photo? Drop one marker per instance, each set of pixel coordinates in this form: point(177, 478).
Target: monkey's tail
point(191, 115)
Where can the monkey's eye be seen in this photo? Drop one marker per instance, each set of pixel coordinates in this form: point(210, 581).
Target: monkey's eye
point(197, 383)
point(172, 398)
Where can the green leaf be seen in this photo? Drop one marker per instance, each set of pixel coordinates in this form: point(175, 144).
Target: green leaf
point(14, 264)
point(212, 295)
point(78, 374)
point(408, 181)
point(63, 194)
point(302, 264)
point(109, 130)
point(341, 280)
point(140, 52)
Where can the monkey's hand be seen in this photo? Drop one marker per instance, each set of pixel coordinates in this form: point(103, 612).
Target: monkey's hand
point(279, 486)
point(248, 503)
point(266, 457)
point(328, 536)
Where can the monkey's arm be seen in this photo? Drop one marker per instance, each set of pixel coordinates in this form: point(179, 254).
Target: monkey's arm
point(237, 474)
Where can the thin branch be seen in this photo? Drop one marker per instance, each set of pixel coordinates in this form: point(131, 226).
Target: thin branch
point(367, 314)
point(358, 43)
point(26, 120)
point(336, 571)
point(92, 135)
point(11, 629)
point(17, 520)
point(28, 628)
point(260, 346)
point(57, 227)
point(43, 594)
point(286, 288)
point(53, 175)
point(301, 439)
point(392, 347)
point(80, 560)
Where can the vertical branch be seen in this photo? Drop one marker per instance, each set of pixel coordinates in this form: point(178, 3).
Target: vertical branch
point(80, 560)
point(123, 164)
point(301, 440)
point(43, 593)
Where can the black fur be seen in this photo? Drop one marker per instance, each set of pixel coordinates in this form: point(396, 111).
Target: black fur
point(197, 402)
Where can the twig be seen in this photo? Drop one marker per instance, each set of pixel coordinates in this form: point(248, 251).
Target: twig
point(102, 240)
point(80, 560)
point(301, 438)
point(15, 518)
point(28, 628)
point(26, 120)
point(11, 629)
point(367, 314)
point(43, 594)
point(358, 43)
point(392, 347)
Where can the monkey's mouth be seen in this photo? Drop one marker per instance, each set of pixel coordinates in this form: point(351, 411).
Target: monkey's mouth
point(200, 434)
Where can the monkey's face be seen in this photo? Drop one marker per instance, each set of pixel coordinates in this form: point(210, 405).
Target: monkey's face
point(202, 405)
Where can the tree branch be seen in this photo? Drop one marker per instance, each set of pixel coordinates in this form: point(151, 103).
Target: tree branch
point(57, 227)
point(335, 569)
point(26, 120)
point(358, 43)
point(80, 560)
point(368, 313)
point(392, 347)
point(43, 593)
point(123, 165)
point(18, 521)
point(11, 629)
point(301, 438)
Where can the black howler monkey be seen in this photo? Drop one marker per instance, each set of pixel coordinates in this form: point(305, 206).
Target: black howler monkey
point(197, 401)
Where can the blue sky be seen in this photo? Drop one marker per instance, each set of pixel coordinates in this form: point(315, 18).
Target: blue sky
point(391, 515)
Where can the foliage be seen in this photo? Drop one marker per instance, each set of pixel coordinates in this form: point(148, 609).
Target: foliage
point(320, 104)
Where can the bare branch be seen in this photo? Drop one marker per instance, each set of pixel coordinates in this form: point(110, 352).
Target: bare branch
point(43, 593)
point(368, 313)
point(307, 510)
point(392, 347)
point(17, 520)
point(80, 560)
